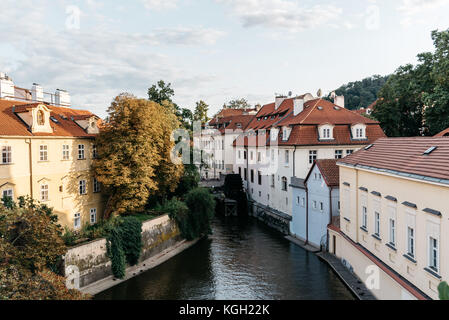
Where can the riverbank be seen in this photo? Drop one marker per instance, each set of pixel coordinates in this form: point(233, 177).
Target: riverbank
point(131, 272)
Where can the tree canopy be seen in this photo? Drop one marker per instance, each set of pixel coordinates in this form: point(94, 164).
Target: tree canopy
point(238, 104)
point(360, 94)
point(134, 149)
point(200, 113)
point(415, 99)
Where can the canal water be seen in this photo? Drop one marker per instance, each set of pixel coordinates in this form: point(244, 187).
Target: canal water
point(242, 260)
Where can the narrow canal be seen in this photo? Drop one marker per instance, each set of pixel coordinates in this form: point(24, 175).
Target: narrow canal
point(243, 259)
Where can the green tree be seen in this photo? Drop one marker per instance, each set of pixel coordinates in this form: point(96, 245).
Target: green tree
point(238, 104)
point(31, 248)
point(133, 154)
point(443, 290)
point(161, 92)
point(200, 113)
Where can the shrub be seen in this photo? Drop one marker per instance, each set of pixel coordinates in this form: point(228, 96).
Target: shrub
point(69, 237)
point(443, 289)
point(115, 253)
point(195, 222)
point(131, 233)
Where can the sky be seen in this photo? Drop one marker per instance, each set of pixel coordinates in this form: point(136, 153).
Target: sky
point(211, 50)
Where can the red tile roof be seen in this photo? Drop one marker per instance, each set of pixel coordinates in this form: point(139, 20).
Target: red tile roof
point(329, 171)
point(12, 125)
point(405, 156)
point(444, 133)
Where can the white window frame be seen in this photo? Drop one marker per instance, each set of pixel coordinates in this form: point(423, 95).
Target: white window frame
point(81, 152)
point(43, 152)
point(377, 223)
point(77, 221)
point(82, 187)
point(393, 232)
point(6, 155)
point(65, 152)
point(411, 243)
point(44, 192)
point(96, 186)
point(434, 254)
point(313, 156)
point(8, 193)
point(94, 151)
point(287, 157)
point(338, 154)
point(93, 214)
point(364, 217)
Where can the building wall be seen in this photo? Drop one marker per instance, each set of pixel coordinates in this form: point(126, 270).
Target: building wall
point(61, 176)
point(298, 224)
point(424, 195)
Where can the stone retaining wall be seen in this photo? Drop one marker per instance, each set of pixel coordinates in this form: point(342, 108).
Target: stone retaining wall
point(93, 264)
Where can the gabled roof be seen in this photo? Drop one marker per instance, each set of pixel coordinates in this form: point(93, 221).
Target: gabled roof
point(12, 125)
point(406, 157)
point(444, 133)
point(329, 170)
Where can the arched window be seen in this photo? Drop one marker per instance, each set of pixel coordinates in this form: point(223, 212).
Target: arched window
point(40, 118)
point(284, 183)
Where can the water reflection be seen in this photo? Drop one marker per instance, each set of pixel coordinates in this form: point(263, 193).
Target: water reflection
point(243, 259)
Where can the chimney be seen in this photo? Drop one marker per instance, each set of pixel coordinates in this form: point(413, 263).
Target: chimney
point(62, 98)
point(6, 87)
point(37, 93)
point(339, 101)
point(298, 105)
point(278, 101)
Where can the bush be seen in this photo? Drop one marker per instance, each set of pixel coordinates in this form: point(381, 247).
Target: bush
point(443, 289)
point(193, 217)
point(124, 243)
point(131, 233)
point(69, 237)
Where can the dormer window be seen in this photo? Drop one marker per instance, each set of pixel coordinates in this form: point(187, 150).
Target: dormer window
point(359, 131)
point(285, 133)
point(40, 118)
point(326, 132)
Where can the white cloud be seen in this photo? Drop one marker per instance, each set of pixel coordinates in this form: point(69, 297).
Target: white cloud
point(96, 64)
point(412, 9)
point(160, 4)
point(284, 14)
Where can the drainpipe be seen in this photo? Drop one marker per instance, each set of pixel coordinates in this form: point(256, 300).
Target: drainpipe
point(294, 167)
point(331, 215)
point(30, 159)
point(307, 215)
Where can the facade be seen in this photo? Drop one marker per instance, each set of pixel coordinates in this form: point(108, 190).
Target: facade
point(285, 139)
point(316, 202)
point(47, 152)
point(394, 216)
point(217, 139)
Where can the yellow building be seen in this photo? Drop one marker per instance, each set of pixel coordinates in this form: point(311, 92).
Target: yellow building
point(46, 152)
point(394, 224)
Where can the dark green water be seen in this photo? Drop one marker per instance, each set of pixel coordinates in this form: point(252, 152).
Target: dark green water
point(243, 259)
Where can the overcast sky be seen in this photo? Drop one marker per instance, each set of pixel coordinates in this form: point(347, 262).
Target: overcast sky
point(214, 50)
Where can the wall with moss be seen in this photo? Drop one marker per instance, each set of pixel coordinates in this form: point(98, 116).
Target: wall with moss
point(93, 264)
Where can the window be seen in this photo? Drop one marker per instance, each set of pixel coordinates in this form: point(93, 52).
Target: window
point(8, 194)
point(6, 155)
point(377, 224)
point(338, 154)
point(393, 232)
point(81, 155)
point(284, 183)
point(303, 202)
point(312, 156)
point(240, 171)
point(260, 194)
point(246, 174)
point(244, 155)
point(315, 204)
point(44, 192)
point(365, 217)
point(240, 154)
point(273, 180)
point(40, 118)
point(251, 155)
point(349, 152)
point(326, 133)
point(65, 152)
point(411, 241)
point(43, 155)
point(252, 176)
point(259, 177)
point(94, 151)
point(321, 207)
point(360, 133)
point(77, 221)
point(287, 157)
point(96, 186)
point(93, 216)
point(433, 254)
point(82, 187)
point(259, 157)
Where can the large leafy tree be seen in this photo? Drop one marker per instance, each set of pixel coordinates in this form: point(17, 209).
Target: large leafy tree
point(30, 253)
point(238, 104)
point(200, 113)
point(360, 94)
point(134, 153)
point(415, 100)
